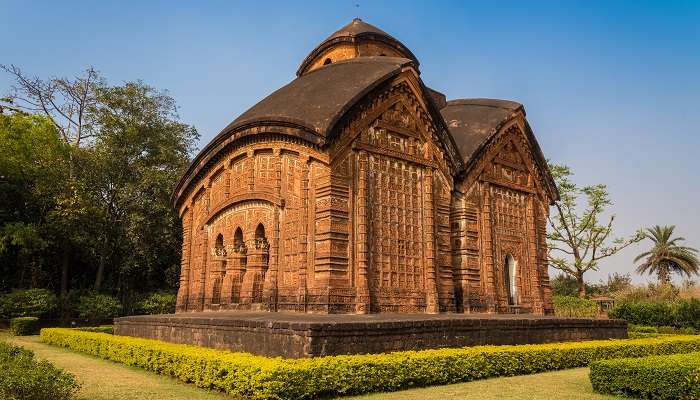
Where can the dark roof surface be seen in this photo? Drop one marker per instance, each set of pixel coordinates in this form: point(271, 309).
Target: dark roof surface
point(311, 104)
point(356, 29)
point(318, 99)
point(473, 121)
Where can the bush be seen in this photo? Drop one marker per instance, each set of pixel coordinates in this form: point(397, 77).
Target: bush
point(257, 377)
point(660, 377)
point(24, 378)
point(109, 329)
point(158, 303)
point(23, 326)
point(679, 314)
point(28, 303)
point(652, 293)
point(96, 306)
point(570, 306)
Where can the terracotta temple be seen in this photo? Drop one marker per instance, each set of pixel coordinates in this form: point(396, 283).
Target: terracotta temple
point(356, 188)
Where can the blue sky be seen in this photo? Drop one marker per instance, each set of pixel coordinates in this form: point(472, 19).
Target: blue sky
point(610, 87)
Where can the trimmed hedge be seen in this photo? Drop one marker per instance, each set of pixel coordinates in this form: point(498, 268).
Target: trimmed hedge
point(24, 326)
point(679, 313)
point(24, 378)
point(259, 377)
point(659, 377)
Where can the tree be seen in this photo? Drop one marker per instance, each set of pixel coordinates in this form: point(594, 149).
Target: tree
point(138, 157)
point(98, 201)
point(67, 103)
point(70, 105)
point(33, 171)
point(667, 256)
point(577, 239)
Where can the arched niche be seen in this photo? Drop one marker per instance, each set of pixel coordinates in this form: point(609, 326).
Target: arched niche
point(510, 279)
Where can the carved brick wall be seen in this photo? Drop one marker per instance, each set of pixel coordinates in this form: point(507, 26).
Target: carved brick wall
point(378, 221)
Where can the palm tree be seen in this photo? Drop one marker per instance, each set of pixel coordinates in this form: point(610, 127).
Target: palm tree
point(667, 255)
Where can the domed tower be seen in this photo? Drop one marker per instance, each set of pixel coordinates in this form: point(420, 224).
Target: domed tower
point(356, 39)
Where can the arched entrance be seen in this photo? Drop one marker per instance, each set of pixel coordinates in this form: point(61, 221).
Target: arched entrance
point(509, 272)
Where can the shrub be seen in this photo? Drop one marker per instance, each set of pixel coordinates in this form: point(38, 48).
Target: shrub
point(651, 293)
point(109, 329)
point(257, 377)
point(24, 378)
point(96, 306)
point(23, 326)
point(659, 377)
point(158, 303)
point(680, 313)
point(28, 303)
point(570, 306)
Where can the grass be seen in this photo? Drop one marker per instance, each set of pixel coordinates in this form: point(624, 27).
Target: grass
point(103, 379)
point(106, 380)
point(570, 384)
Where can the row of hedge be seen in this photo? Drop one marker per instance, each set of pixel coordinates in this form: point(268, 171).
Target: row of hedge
point(662, 330)
point(658, 377)
point(678, 313)
point(23, 326)
point(574, 307)
point(25, 378)
point(259, 377)
point(43, 303)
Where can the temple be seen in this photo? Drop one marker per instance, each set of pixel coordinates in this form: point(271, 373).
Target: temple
point(358, 189)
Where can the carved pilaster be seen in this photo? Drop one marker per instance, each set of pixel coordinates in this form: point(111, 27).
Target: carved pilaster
point(250, 176)
point(304, 234)
point(362, 303)
point(270, 286)
point(431, 290)
point(184, 289)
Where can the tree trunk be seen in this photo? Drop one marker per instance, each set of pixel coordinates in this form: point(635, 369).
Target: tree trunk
point(581, 286)
point(664, 275)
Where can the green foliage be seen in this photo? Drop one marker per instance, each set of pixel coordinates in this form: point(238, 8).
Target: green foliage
point(578, 238)
point(679, 313)
point(109, 329)
point(158, 303)
point(86, 186)
point(571, 306)
point(33, 171)
point(663, 330)
point(24, 378)
point(566, 285)
point(28, 303)
point(97, 306)
point(659, 377)
point(667, 255)
point(257, 377)
point(24, 326)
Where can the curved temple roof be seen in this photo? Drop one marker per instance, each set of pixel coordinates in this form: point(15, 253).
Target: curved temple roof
point(473, 121)
point(318, 99)
point(352, 32)
point(310, 105)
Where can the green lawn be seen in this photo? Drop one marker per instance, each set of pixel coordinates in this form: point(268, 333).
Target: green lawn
point(108, 380)
point(570, 384)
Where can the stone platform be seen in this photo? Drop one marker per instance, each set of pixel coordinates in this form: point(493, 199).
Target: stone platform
point(298, 335)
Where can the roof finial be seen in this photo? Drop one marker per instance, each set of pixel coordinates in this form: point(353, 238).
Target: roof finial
point(357, 19)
